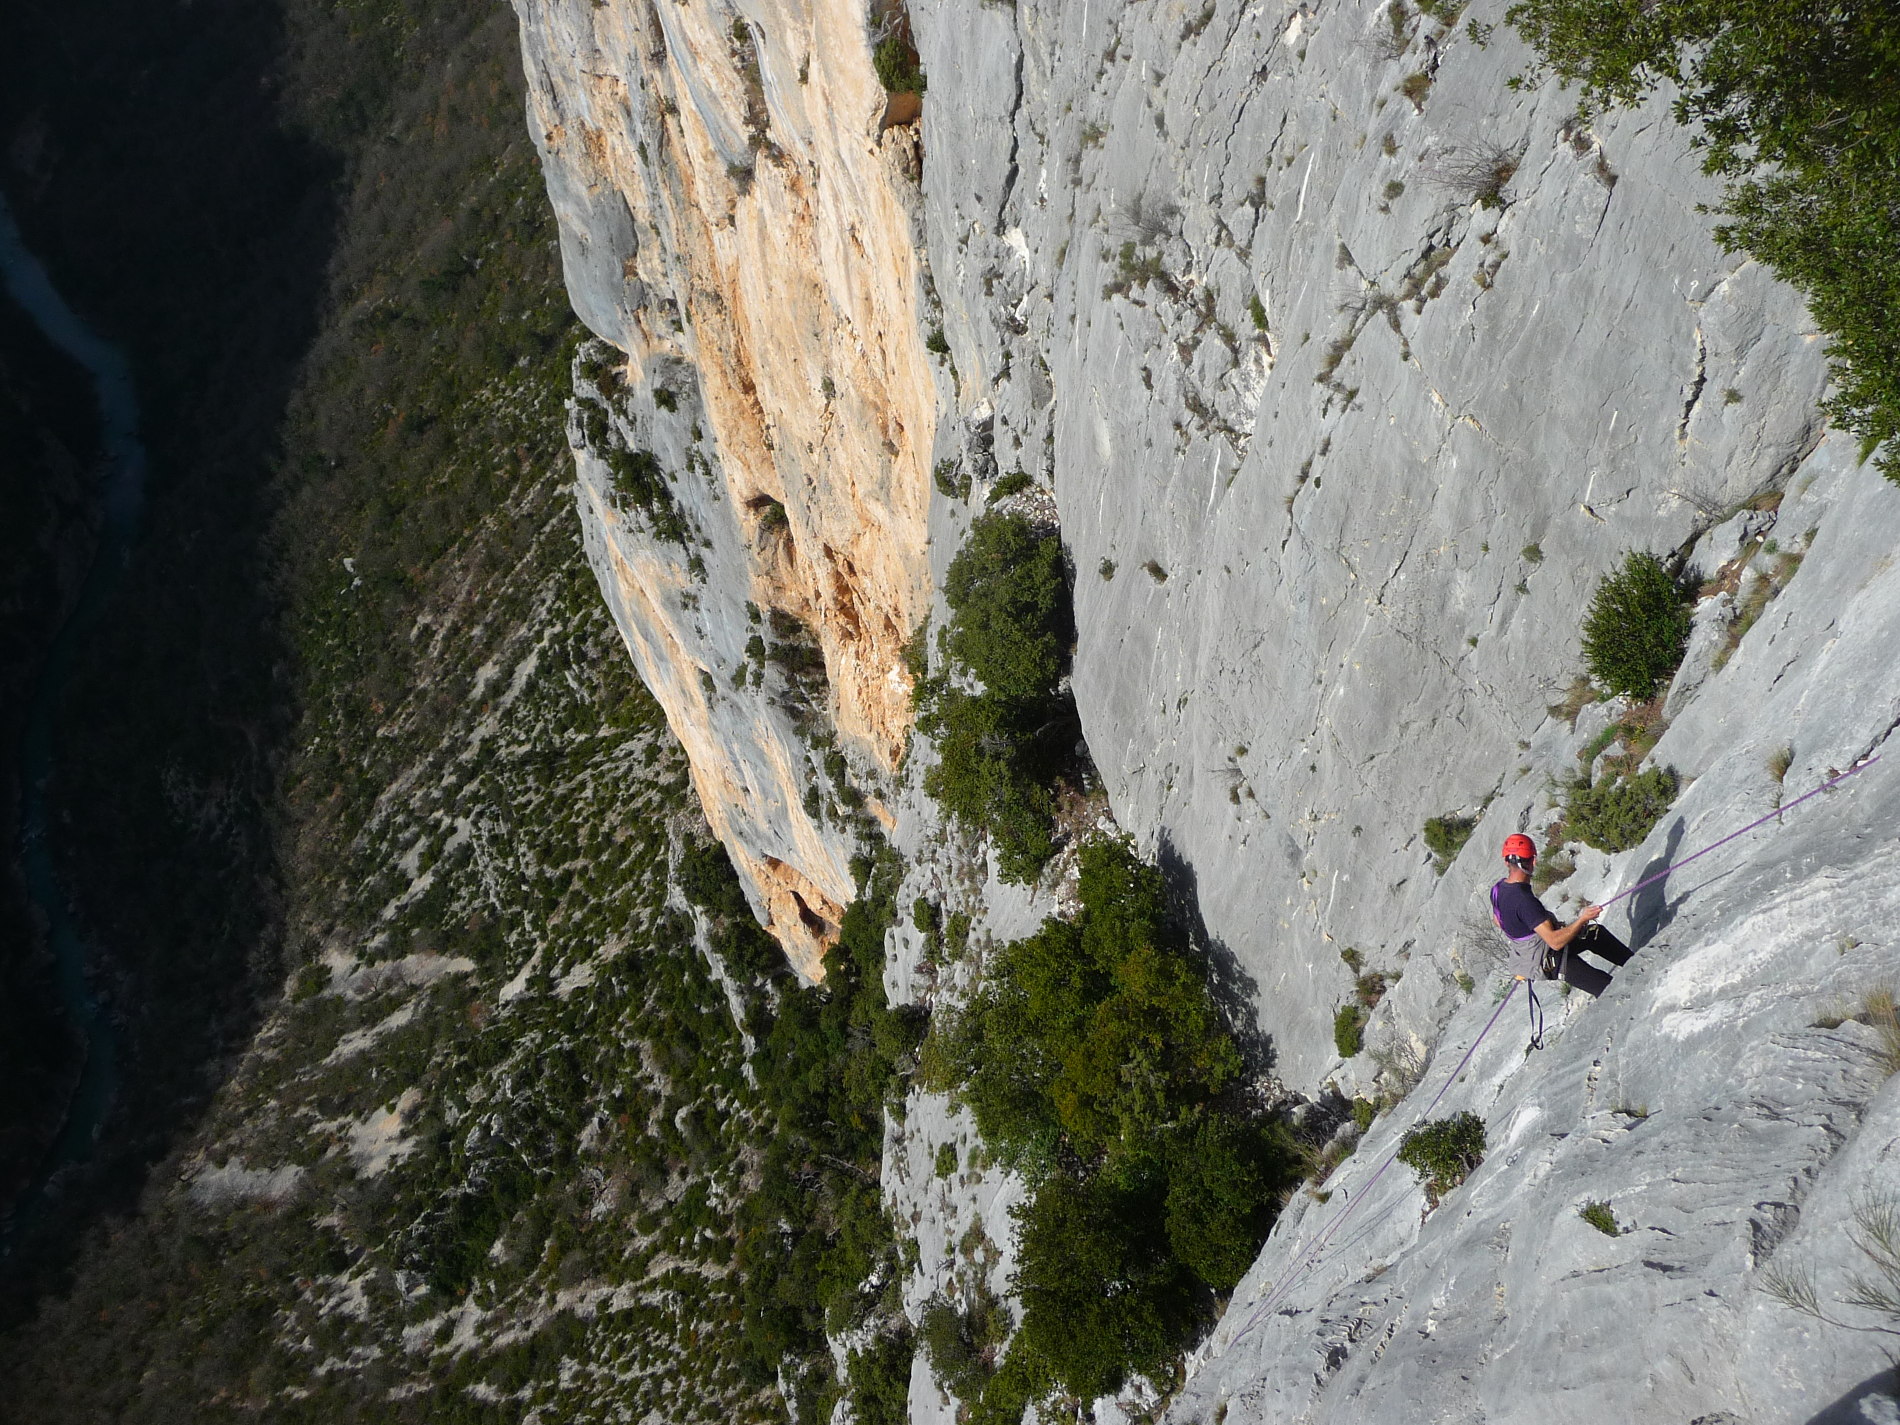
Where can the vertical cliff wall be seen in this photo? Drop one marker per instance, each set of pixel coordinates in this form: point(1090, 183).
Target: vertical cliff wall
point(1363, 368)
point(738, 222)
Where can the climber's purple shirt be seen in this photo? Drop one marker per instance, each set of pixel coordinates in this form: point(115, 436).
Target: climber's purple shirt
point(1517, 910)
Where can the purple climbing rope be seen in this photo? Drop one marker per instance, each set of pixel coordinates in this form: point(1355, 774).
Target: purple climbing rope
point(1777, 813)
point(1310, 1258)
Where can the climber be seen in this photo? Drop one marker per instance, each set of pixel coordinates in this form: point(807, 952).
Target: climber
point(1525, 922)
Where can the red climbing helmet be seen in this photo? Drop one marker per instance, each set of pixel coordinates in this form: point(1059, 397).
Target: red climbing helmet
point(1519, 847)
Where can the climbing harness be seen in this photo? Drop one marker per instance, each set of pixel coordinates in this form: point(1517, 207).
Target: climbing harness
point(1310, 1259)
point(1526, 950)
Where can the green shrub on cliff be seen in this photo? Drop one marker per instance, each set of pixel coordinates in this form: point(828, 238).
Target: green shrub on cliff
point(1445, 837)
point(898, 68)
point(1616, 813)
point(1349, 1026)
point(1796, 107)
point(963, 1342)
point(1094, 1060)
point(1636, 627)
point(1004, 747)
point(1092, 1037)
point(1009, 591)
point(1444, 1152)
point(1220, 1199)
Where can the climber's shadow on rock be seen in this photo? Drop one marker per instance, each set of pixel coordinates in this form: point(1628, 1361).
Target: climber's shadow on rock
point(1652, 910)
point(1874, 1399)
point(1233, 989)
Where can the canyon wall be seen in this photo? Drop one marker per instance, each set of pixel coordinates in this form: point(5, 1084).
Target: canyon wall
point(741, 226)
point(1343, 428)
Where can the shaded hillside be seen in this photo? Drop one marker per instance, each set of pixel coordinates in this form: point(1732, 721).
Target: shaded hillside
point(48, 441)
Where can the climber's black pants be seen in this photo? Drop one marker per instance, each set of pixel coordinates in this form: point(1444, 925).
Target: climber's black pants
point(1566, 965)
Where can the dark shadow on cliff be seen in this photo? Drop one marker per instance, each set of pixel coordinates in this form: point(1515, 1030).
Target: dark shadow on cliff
point(48, 449)
point(1651, 910)
point(1880, 1391)
point(1234, 990)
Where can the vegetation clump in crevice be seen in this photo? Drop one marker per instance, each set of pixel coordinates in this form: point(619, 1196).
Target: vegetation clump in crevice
point(1445, 837)
point(1002, 716)
point(805, 686)
point(1601, 1216)
point(1476, 171)
point(963, 1337)
point(1349, 1025)
point(894, 50)
point(636, 476)
point(1094, 1061)
point(1618, 811)
point(1880, 1011)
point(1444, 1152)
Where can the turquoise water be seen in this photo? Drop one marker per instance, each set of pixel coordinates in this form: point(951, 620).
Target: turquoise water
point(122, 494)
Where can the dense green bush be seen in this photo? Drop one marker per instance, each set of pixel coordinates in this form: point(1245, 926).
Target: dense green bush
point(1013, 483)
point(1093, 1059)
point(1601, 1216)
point(1349, 1025)
point(1796, 107)
point(994, 774)
point(1616, 813)
point(963, 1342)
point(1221, 1194)
point(1102, 1295)
point(1009, 590)
point(1003, 749)
point(898, 68)
point(1636, 627)
point(1444, 1152)
point(794, 651)
point(879, 1376)
point(1094, 1035)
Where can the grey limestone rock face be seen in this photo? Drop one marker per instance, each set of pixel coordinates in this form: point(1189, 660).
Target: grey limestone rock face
point(1715, 1099)
point(1356, 443)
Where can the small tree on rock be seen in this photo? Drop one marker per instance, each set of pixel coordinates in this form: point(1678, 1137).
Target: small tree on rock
point(1636, 628)
point(1444, 1152)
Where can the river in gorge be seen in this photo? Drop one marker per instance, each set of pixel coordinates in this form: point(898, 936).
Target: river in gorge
point(122, 490)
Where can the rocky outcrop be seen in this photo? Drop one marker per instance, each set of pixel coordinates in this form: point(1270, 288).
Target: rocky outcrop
point(1721, 1100)
point(739, 223)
